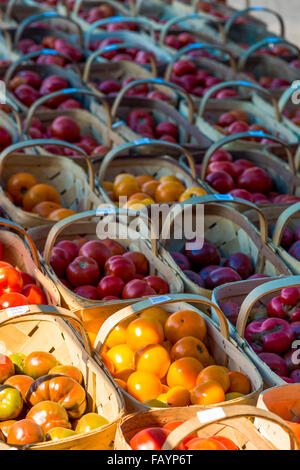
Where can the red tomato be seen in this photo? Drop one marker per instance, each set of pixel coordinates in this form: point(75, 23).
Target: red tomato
point(34, 294)
point(10, 279)
point(1, 250)
point(27, 278)
point(202, 443)
point(149, 439)
point(120, 267)
point(228, 443)
point(9, 300)
point(158, 284)
point(83, 271)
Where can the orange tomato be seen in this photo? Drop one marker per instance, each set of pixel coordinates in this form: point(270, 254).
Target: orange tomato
point(202, 443)
point(39, 193)
point(60, 214)
point(153, 358)
point(157, 313)
point(162, 397)
point(18, 185)
point(45, 208)
point(228, 443)
point(168, 178)
point(169, 191)
point(144, 331)
point(142, 179)
point(138, 197)
point(108, 185)
point(167, 345)
point(184, 372)
point(117, 335)
point(239, 383)
point(122, 357)
point(192, 192)
point(108, 363)
point(178, 396)
point(144, 386)
point(150, 188)
point(123, 374)
point(125, 185)
point(192, 347)
point(207, 393)
point(216, 373)
point(185, 323)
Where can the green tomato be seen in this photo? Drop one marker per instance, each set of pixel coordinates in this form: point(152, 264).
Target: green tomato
point(18, 360)
point(11, 402)
point(59, 433)
point(89, 422)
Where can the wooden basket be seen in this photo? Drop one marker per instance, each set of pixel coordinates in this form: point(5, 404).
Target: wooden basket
point(229, 230)
point(284, 175)
point(23, 255)
point(256, 298)
point(100, 130)
point(223, 350)
point(231, 422)
point(210, 110)
point(266, 65)
point(70, 180)
point(11, 14)
point(44, 328)
point(284, 402)
point(12, 122)
point(94, 312)
point(154, 163)
point(120, 10)
point(43, 70)
point(290, 217)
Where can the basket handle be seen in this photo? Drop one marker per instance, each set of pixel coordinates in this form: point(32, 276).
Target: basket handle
point(177, 20)
point(244, 12)
point(283, 220)
point(67, 91)
point(258, 293)
point(44, 17)
point(159, 144)
point(43, 312)
point(15, 112)
point(265, 42)
point(12, 225)
point(158, 301)
point(41, 142)
point(215, 199)
point(117, 19)
point(243, 135)
point(154, 81)
point(288, 93)
point(57, 228)
point(114, 47)
point(220, 414)
point(115, 4)
point(24, 58)
point(199, 46)
point(8, 10)
point(238, 83)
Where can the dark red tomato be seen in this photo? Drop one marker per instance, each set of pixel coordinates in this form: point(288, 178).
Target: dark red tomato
point(83, 271)
point(97, 250)
point(149, 439)
point(1, 250)
point(10, 299)
point(120, 267)
point(10, 279)
point(88, 292)
point(27, 278)
point(139, 260)
point(158, 284)
point(34, 294)
point(110, 286)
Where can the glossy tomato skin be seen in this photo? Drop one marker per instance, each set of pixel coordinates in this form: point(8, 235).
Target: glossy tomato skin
point(27, 279)
point(70, 248)
point(83, 271)
point(97, 250)
point(120, 267)
point(10, 279)
point(159, 285)
point(9, 300)
point(149, 439)
point(34, 294)
point(110, 286)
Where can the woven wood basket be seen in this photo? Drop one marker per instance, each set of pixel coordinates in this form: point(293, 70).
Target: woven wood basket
point(11, 14)
point(263, 65)
point(154, 163)
point(211, 110)
point(93, 312)
point(222, 349)
point(232, 422)
point(100, 130)
point(20, 251)
point(229, 230)
point(12, 122)
point(119, 9)
point(284, 175)
point(70, 180)
point(284, 402)
point(43, 70)
point(253, 296)
point(289, 217)
point(44, 328)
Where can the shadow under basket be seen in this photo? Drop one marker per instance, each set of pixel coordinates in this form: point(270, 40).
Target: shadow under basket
point(224, 351)
point(43, 328)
